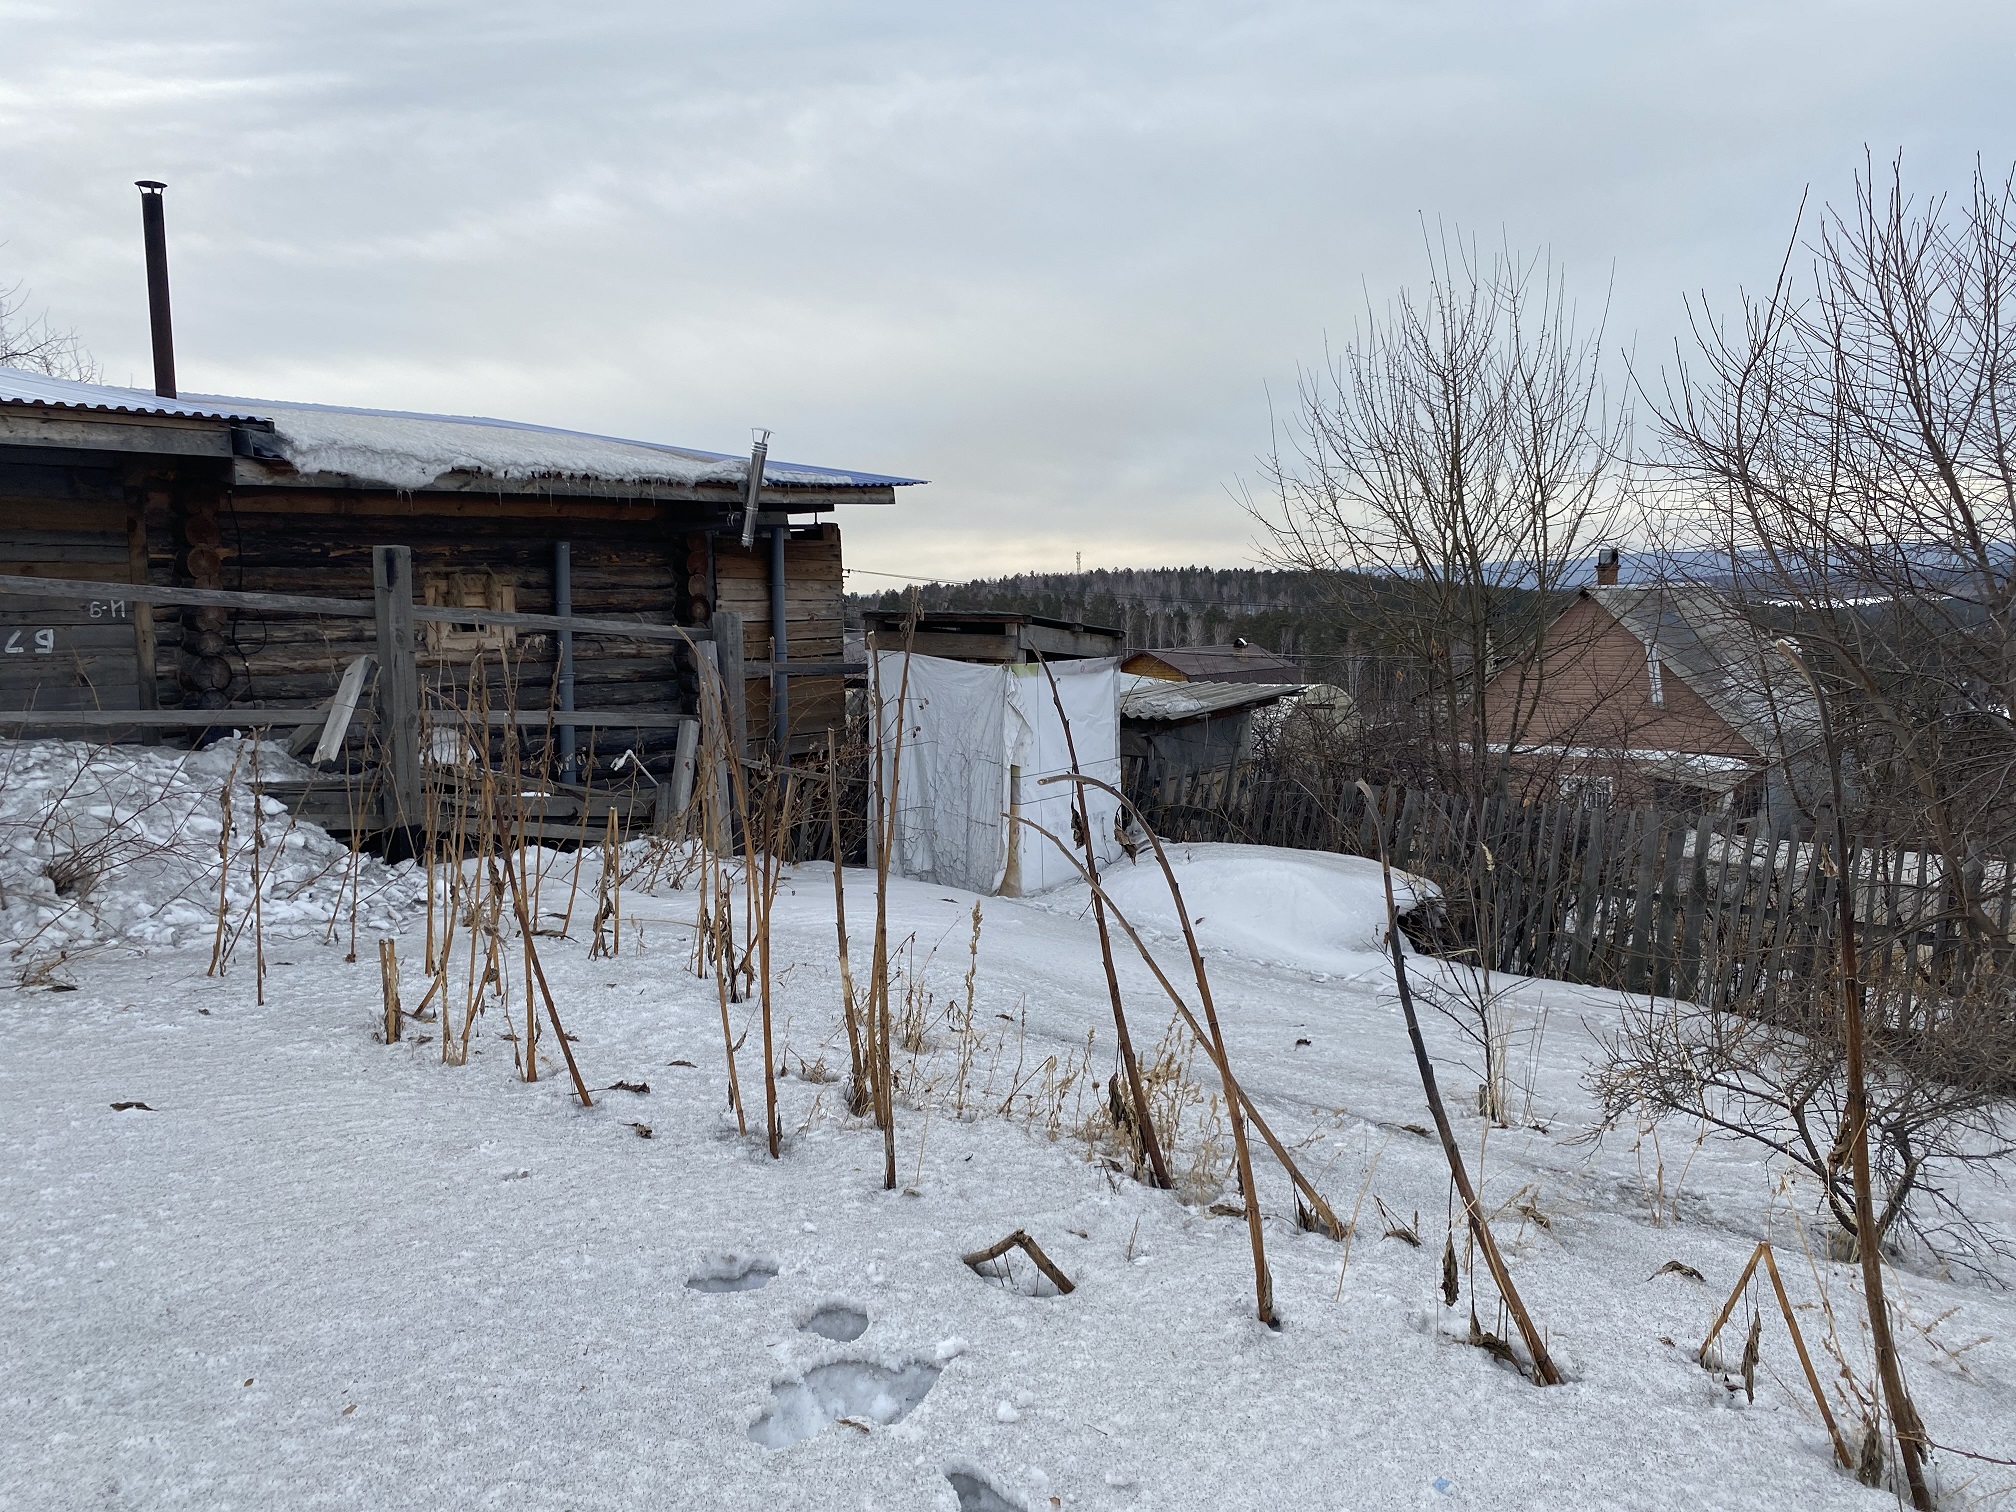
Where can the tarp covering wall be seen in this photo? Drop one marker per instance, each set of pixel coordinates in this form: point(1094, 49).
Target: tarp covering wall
point(976, 740)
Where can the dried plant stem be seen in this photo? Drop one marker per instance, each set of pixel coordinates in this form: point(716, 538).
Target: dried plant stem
point(1214, 1041)
point(223, 868)
point(1020, 1240)
point(258, 879)
point(1233, 1089)
point(878, 988)
point(1763, 1253)
point(388, 982)
point(1480, 1228)
point(719, 942)
point(1911, 1435)
point(773, 866)
point(1144, 1121)
point(840, 911)
point(539, 976)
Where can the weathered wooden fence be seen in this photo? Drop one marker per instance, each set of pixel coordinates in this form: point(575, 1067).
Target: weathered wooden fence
point(1699, 906)
point(398, 785)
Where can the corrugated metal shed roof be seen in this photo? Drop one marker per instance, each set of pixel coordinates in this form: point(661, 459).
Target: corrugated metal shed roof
point(1233, 663)
point(405, 449)
point(1158, 700)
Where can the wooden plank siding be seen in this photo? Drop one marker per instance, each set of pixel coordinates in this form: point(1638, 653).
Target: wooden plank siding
point(813, 608)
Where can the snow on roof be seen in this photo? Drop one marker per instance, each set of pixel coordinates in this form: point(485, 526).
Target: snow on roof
point(401, 449)
point(23, 386)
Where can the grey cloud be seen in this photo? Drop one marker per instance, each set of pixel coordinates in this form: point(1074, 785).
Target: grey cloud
point(1050, 256)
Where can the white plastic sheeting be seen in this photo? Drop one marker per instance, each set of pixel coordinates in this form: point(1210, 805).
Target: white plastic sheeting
point(977, 742)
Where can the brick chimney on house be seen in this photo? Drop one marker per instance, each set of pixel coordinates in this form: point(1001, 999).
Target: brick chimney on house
point(1606, 567)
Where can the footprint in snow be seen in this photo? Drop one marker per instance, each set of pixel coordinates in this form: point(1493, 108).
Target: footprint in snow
point(977, 1493)
point(838, 1322)
point(855, 1392)
point(733, 1273)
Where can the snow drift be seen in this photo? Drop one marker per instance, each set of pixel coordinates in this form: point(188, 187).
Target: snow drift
point(1305, 909)
point(118, 846)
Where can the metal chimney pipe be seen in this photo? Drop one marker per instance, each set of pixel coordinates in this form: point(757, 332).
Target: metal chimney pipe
point(757, 455)
point(155, 226)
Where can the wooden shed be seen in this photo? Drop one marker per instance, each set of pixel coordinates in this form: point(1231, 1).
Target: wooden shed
point(989, 636)
point(121, 486)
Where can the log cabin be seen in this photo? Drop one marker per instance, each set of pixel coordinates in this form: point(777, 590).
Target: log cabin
point(125, 486)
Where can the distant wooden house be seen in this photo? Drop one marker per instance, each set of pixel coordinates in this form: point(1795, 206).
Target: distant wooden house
point(1661, 696)
point(1171, 733)
point(1241, 661)
point(122, 486)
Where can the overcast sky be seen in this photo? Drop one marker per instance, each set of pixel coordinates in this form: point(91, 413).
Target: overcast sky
point(1052, 257)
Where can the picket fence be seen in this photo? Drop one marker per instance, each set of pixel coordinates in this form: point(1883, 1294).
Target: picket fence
point(1705, 906)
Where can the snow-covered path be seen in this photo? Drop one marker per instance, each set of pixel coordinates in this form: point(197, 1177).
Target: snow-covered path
point(323, 1272)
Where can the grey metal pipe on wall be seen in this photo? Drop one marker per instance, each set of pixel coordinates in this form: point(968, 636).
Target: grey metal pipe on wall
point(563, 606)
point(780, 650)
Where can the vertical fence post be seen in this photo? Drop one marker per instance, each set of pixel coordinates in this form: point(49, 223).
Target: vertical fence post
point(727, 627)
point(684, 753)
point(563, 606)
point(398, 686)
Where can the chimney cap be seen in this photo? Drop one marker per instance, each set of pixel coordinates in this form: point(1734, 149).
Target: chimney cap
point(151, 186)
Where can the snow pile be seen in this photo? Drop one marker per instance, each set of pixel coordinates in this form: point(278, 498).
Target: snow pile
point(1305, 909)
point(117, 846)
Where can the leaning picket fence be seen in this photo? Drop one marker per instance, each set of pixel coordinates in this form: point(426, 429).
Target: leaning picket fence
point(1703, 906)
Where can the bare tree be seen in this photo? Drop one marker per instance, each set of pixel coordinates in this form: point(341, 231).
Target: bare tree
point(1849, 445)
point(1462, 445)
point(34, 344)
point(1462, 448)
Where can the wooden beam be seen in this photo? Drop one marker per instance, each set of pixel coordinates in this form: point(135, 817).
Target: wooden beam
point(164, 719)
point(764, 669)
point(301, 603)
point(156, 435)
point(398, 683)
point(734, 678)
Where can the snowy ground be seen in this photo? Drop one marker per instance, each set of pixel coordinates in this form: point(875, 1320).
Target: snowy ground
point(318, 1271)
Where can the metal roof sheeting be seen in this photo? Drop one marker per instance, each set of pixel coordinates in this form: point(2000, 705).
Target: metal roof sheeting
point(1700, 634)
point(411, 450)
point(1157, 700)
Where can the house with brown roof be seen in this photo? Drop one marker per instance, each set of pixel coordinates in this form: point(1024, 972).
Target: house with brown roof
point(1241, 661)
point(1662, 695)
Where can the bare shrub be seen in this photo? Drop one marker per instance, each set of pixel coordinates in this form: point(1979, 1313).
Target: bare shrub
point(1937, 1098)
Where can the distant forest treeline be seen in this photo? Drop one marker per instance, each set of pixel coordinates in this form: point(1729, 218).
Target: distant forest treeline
point(1294, 613)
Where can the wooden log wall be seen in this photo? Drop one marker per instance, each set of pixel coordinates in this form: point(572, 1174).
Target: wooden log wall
point(176, 522)
point(627, 563)
point(813, 608)
point(62, 520)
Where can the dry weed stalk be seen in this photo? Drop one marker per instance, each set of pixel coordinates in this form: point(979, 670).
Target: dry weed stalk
point(1480, 1228)
point(1763, 1253)
point(858, 1103)
point(388, 983)
point(1303, 1185)
point(888, 789)
point(1150, 1146)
